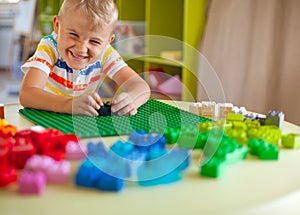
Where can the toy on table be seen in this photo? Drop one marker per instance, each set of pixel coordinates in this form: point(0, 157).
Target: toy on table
point(275, 118)
point(146, 119)
point(2, 113)
point(105, 109)
point(32, 182)
point(291, 141)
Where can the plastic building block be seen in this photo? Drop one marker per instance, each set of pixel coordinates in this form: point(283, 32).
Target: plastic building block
point(240, 110)
point(96, 149)
point(87, 174)
point(153, 116)
point(110, 183)
point(7, 131)
point(3, 123)
point(275, 118)
point(59, 173)
point(105, 110)
point(2, 112)
point(32, 182)
point(235, 116)
point(55, 171)
point(171, 135)
point(238, 131)
point(122, 148)
point(270, 133)
point(204, 108)
point(8, 175)
point(228, 153)
point(22, 149)
point(39, 163)
point(263, 150)
point(5, 151)
point(189, 137)
point(222, 110)
point(76, 151)
point(91, 176)
point(166, 169)
point(291, 141)
point(146, 141)
point(134, 160)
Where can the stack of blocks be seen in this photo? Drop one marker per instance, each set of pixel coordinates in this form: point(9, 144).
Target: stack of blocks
point(211, 109)
point(143, 158)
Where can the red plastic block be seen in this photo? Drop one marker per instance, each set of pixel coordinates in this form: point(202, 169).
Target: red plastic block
point(7, 175)
point(7, 131)
point(5, 150)
point(22, 149)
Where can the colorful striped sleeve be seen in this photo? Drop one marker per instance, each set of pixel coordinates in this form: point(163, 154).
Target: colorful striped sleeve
point(111, 62)
point(44, 57)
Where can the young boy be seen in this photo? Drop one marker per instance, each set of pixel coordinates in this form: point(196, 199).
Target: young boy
point(64, 73)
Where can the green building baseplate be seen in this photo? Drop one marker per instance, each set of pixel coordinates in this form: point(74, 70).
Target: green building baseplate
point(153, 116)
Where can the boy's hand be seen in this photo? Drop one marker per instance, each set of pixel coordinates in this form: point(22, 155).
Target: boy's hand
point(87, 104)
point(123, 104)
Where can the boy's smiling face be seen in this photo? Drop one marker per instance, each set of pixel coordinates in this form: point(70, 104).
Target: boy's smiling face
point(79, 41)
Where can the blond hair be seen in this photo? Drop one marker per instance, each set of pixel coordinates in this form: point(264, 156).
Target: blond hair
point(98, 10)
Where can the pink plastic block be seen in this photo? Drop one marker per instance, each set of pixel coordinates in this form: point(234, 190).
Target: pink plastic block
point(32, 182)
point(76, 151)
point(59, 173)
point(39, 163)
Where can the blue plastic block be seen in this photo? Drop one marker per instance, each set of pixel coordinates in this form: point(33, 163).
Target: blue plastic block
point(87, 175)
point(104, 174)
point(145, 141)
point(134, 160)
point(110, 183)
point(122, 148)
point(166, 169)
point(155, 153)
point(96, 149)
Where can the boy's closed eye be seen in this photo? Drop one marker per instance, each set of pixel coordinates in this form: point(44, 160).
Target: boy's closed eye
point(73, 34)
point(96, 42)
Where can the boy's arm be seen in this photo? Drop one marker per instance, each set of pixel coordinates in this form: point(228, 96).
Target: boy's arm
point(135, 92)
point(33, 95)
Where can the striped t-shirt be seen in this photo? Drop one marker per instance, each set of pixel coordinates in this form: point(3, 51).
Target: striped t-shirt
point(65, 81)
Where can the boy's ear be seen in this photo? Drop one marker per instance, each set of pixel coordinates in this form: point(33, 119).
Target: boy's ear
point(55, 24)
point(112, 38)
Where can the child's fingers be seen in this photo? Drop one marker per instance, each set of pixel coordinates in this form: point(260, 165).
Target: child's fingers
point(133, 112)
point(97, 98)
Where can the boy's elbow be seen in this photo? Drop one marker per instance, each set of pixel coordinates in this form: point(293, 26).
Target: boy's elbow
point(22, 99)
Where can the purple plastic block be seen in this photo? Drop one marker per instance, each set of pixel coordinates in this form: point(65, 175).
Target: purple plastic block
point(39, 163)
point(59, 173)
point(32, 182)
point(76, 151)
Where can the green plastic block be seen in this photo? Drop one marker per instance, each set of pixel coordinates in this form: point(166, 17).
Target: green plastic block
point(291, 141)
point(269, 133)
point(153, 116)
point(262, 149)
point(235, 117)
point(228, 153)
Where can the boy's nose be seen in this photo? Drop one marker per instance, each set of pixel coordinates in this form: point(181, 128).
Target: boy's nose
point(81, 47)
